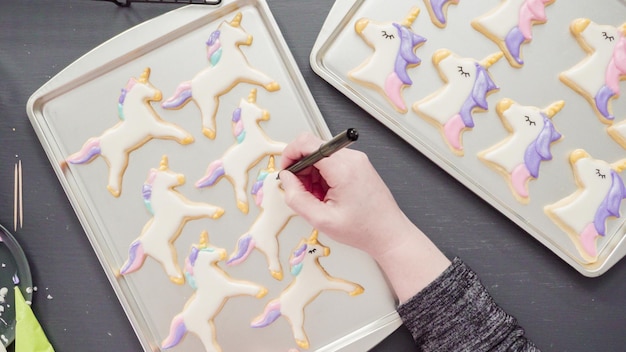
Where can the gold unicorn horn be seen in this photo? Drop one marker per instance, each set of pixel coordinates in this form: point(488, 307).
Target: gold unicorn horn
point(554, 108)
point(410, 18)
point(252, 96)
point(236, 22)
point(270, 164)
point(145, 75)
point(313, 238)
point(164, 164)
point(619, 166)
point(622, 29)
point(204, 239)
point(491, 59)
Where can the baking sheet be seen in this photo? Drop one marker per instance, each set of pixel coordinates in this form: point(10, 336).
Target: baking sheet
point(81, 102)
point(14, 270)
point(553, 49)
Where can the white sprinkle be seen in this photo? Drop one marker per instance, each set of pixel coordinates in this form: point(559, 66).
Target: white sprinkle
point(49, 297)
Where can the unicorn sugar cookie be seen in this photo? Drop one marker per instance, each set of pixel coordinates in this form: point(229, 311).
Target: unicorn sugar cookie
point(510, 26)
point(394, 47)
point(583, 214)
point(138, 124)
point(438, 11)
point(597, 76)
point(252, 144)
point(468, 83)
point(310, 280)
point(170, 212)
point(227, 67)
point(213, 288)
point(273, 218)
point(531, 134)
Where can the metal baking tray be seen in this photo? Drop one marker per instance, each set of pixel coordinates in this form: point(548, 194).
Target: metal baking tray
point(82, 102)
point(552, 50)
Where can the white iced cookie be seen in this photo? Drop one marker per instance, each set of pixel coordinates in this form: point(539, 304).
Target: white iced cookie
point(467, 85)
point(531, 134)
point(310, 280)
point(510, 26)
point(438, 11)
point(597, 76)
point(386, 70)
point(251, 145)
point(138, 124)
point(214, 287)
point(227, 67)
point(584, 213)
point(272, 219)
point(170, 212)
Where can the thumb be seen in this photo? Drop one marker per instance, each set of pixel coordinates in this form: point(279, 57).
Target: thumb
point(299, 199)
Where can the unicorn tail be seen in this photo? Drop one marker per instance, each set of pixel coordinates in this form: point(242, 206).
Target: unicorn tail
point(181, 96)
point(602, 99)
point(213, 173)
point(177, 332)
point(270, 314)
point(245, 245)
point(136, 257)
point(90, 150)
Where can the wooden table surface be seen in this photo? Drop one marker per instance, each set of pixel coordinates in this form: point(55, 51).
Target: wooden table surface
point(560, 309)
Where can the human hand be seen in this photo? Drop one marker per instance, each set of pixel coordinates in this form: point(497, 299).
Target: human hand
point(342, 196)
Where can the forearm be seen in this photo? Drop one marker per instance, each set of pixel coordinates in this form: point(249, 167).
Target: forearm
point(456, 313)
point(412, 261)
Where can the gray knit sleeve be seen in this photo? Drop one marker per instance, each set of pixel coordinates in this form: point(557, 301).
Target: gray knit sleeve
point(456, 313)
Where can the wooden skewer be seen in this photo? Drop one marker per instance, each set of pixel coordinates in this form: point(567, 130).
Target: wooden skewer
point(19, 172)
point(15, 195)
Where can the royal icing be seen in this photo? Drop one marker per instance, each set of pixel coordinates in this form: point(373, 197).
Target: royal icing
point(272, 219)
point(394, 47)
point(584, 214)
point(510, 26)
point(138, 124)
point(531, 134)
point(227, 67)
point(467, 85)
point(170, 212)
point(252, 144)
point(310, 279)
point(597, 76)
point(438, 11)
point(213, 288)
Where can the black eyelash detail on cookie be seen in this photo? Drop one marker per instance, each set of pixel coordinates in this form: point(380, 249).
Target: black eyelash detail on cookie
point(601, 175)
point(463, 73)
point(609, 37)
point(387, 35)
point(530, 122)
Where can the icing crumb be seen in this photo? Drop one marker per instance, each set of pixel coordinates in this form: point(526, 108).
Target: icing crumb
point(49, 296)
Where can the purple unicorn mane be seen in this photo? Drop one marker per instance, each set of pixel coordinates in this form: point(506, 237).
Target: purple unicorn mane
point(611, 203)
point(406, 56)
point(539, 149)
point(483, 84)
